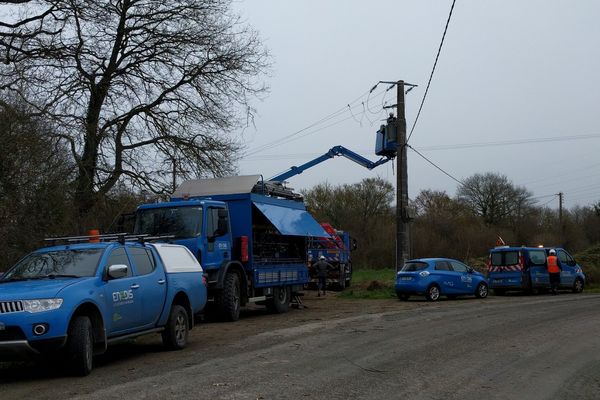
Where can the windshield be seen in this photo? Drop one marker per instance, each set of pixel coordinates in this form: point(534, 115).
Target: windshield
point(414, 266)
point(181, 222)
point(52, 264)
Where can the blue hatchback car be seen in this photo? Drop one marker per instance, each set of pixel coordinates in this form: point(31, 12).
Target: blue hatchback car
point(435, 277)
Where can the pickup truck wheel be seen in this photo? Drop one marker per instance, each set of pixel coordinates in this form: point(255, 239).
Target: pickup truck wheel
point(280, 302)
point(230, 298)
point(81, 345)
point(175, 335)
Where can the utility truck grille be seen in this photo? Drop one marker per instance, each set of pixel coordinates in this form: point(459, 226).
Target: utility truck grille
point(10, 306)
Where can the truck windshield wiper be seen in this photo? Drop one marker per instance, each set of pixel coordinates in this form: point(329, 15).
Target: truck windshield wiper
point(53, 276)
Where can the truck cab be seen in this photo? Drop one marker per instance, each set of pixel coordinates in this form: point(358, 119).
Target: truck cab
point(200, 225)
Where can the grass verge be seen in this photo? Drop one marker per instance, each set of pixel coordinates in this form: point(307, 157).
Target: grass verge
point(371, 284)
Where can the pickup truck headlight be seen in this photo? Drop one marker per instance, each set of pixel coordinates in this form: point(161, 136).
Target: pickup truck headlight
point(39, 305)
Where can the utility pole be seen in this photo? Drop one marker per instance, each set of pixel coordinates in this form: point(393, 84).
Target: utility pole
point(402, 218)
point(560, 217)
point(560, 208)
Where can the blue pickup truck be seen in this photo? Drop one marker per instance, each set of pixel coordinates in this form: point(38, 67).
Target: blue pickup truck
point(76, 299)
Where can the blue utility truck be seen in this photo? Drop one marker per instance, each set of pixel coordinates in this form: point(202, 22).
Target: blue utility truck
point(73, 300)
point(249, 235)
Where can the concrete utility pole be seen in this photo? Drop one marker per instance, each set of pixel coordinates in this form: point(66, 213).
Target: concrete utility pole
point(402, 217)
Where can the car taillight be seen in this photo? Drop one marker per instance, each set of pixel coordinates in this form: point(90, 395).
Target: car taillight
point(244, 248)
point(204, 280)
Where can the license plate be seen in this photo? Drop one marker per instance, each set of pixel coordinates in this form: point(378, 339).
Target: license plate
point(497, 280)
point(406, 278)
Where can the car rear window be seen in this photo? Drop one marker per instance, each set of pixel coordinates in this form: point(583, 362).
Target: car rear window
point(500, 258)
point(414, 266)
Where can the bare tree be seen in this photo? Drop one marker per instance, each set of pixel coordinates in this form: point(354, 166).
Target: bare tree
point(365, 210)
point(135, 88)
point(493, 197)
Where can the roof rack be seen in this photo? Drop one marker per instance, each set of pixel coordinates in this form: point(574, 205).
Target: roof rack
point(111, 237)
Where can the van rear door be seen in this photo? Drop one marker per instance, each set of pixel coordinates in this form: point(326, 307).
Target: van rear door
point(505, 270)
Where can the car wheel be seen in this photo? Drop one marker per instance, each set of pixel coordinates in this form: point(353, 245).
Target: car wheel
point(482, 291)
point(176, 332)
point(81, 345)
point(433, 293)
point(402, 297)
point(578, 285)
point(229, 302)
point(280, 302)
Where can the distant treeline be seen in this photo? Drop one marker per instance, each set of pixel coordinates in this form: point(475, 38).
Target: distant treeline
point(464, 227)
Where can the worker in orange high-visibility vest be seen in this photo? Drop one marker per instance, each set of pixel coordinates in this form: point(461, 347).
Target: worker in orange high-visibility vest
point(553, 264)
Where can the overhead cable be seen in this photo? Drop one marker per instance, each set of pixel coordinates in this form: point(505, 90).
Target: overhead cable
point(432, 71)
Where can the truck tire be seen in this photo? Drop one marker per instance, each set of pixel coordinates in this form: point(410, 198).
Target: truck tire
point(176, 331)
point(81, 346)
point(229, 303)
point(280, 302)
point(342, 282)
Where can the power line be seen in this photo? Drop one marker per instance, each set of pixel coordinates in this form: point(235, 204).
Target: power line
point(436, 166)
point(432, 71)
point(455, 147)
point(509, 142)
point(333, 115)
point(549, 201)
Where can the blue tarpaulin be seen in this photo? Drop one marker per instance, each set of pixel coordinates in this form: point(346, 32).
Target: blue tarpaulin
point(289, 221)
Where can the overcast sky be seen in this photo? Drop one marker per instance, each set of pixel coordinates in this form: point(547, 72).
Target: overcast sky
point(520, 71)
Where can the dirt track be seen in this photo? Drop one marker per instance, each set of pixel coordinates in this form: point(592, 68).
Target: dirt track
point(504, 347)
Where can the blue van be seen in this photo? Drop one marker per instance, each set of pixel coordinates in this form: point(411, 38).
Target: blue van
point(524, 269)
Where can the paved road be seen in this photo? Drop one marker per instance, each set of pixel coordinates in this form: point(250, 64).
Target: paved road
point(515, 347)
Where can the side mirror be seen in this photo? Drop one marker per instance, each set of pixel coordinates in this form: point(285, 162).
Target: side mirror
point(470, 270)
point(117, 271)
